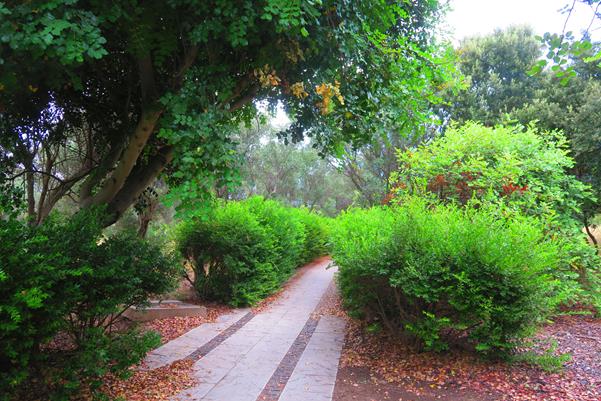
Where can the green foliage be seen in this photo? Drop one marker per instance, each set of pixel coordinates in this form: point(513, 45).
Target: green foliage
point(99, 354)
point(65, 276)
point(53, 29)
point(524, 169)
point(563, 97)
point(317, 233)
point(161, 87)
point(548, 360)
point(294, 174)
point(287, 232)
point(231, 254)
point(436, 273)
point(561, 48)
point(516, 170)
point(495, 69)
point(574, 109)
point(243, 251)
point(24, 287)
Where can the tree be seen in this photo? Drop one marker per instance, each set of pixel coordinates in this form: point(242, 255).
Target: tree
point(370, 166)
point(562, 47)
point(294, 174)
point(98, 100)
point(495, 67)
point(509, 93)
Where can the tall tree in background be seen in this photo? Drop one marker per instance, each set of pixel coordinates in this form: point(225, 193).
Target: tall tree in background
point(98, 99)
point(295, 174)
point(495, 67)
point(370, 166)
point(562, 47)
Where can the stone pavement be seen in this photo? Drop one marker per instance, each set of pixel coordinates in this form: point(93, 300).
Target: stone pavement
point(282, 353)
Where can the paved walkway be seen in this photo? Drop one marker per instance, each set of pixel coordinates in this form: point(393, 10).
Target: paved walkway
point(283, 353)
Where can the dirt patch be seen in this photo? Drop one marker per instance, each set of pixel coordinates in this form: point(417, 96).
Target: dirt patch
point(580, 336)
point(359, 384)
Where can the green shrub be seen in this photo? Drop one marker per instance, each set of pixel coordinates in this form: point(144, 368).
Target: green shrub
point(25, 285)
point(232, 254)
point(526, 170)
point(67, 277)
point(317, 234)
point(518, 170)
point(286, 230)
point(243, 251)
point(548, 360)
point(436, 274)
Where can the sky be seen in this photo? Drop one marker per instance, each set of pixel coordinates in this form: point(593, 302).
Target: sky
point(479, 17)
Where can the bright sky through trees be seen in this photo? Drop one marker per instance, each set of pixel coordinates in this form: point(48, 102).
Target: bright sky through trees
point(471, 17)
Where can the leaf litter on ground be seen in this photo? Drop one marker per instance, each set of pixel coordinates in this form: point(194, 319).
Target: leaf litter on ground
point(431, 374)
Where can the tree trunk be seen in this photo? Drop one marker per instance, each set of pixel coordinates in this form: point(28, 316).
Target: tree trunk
point(120, 175)
point(589, 232)
point(136, 183)
point(31, 215)
point(145, 220)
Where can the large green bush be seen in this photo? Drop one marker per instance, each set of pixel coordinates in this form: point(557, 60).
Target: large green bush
point(287, 232)
point(66, 277)
point(317, 233)
point(243, 251)
point(442, 273)
point(521, 170)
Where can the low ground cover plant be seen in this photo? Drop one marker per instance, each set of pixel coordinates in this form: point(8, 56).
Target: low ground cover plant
point(442, 274)
point(65, 278)
point(243, 251)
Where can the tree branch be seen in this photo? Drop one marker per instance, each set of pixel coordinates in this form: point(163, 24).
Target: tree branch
point(141, 134)
point(137, 182)
point(147, 81)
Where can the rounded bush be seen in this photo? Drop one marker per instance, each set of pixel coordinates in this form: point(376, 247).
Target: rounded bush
point(519, 169)
point(436, 274)
point(284, 227)
point(232, 253)
point(66, 276)
point(317, 232)
point(243, 251)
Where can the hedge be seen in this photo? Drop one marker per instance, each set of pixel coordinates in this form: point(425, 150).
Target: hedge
point(243, 251)
point(437, 274)
point(66, 277)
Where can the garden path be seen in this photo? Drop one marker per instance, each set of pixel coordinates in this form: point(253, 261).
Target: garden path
point(285, 352)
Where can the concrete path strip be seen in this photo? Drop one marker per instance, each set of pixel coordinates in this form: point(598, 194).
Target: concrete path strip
point(239, 367)
point(314, 377)
point(188, 343)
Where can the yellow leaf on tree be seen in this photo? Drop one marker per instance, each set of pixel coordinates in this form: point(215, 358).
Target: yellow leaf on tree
point(327, 91)
point(298, 90)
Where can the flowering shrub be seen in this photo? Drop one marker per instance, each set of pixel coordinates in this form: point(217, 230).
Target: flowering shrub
point(526, 170)
point(517, 170)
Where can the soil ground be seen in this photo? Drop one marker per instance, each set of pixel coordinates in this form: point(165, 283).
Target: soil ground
point(376, 368)
point(359, 384)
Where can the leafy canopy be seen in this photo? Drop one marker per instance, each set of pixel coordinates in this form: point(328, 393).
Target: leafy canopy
point(103, 99)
